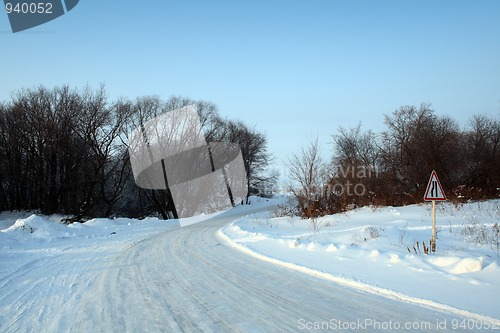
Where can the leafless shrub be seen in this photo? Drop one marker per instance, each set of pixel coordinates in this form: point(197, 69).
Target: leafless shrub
point(496, 239)
point(315, 226)
point(286, 209)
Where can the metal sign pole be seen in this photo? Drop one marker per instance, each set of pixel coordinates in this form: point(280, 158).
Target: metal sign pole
point(433, 239)
point(434, 192)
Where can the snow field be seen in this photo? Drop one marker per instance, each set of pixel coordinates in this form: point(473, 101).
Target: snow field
point(46, 265)
point(372, 249)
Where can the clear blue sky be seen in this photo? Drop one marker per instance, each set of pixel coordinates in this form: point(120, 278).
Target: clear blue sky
point(293, 69)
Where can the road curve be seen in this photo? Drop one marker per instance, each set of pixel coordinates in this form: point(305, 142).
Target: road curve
point(188, 280)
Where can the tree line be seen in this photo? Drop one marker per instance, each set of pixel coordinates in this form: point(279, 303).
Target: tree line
point(393, 167)
point(64, 150)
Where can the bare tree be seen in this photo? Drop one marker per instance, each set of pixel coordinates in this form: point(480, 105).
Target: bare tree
point(482, 152)
point(400, 149)
point(40, 144)
point(102, 128)
point(60, 151)
point(415, 143)
point(215, 130)
point(307, 169)
point(355, 166)
point(256, 158)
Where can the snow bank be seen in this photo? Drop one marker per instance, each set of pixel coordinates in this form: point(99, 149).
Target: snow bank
point(26, 229)
point(383, 248)
point(36, 227)
point(456, 265)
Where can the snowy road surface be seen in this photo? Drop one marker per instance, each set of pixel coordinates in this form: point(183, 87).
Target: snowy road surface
point(186, 280)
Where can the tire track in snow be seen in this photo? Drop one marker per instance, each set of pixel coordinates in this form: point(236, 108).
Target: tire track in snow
point(186, 280)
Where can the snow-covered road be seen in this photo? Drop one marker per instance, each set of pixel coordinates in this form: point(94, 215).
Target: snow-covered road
point(186, 280)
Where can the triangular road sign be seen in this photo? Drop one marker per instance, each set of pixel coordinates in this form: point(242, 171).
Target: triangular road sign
point(434, 191)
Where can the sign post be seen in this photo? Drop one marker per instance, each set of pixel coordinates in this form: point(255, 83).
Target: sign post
point(434, 192)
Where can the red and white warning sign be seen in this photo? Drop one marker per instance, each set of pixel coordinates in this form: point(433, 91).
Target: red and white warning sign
point(434, 191)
